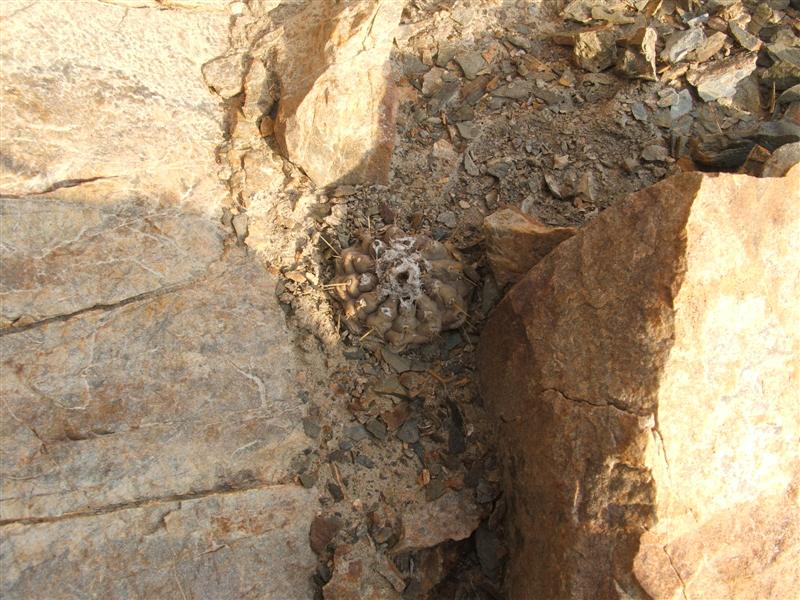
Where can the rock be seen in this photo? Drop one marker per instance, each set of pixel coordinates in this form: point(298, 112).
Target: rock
point(356, 432)
point(240, 228)
point(639, 112)
point(322, 531)
point(680, 43)
point(633, 373)
point(357, 573)
point(682, 106)
point(110, 102)
point(746, 39)
point(489, 549)
point(448, 219)
point(163, 385)
point(655, 152)
point(214, 546)
point(408, 432)
point(453, 516)
point(472, 63)
point(783, 159)
point(337, 104)
point(638, 57)
point(595, 51)
point(377, 428)
point(224, 75)
point(719, 79)
point(713, 44)
point(259, 95)
point(516, 241)
point(101, 255)
point(516, 90)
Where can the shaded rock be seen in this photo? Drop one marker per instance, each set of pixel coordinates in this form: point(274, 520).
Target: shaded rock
point(516, 241)
point(746, 39)
point(102, 112)
point(322, 531)
point(211, 547)
point(173, 390)
point(357, 574)
point(713, 44)
point(655, 152)
point(783, 159)
point(453, 516)
point(633, 373)
point(719, 79)
point(595, 51)
point(638, 57)
point(337, 107)
point(516, 90)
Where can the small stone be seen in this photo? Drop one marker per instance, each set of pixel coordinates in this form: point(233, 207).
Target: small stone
point(365, 461)
point(638, 60)
point(668, 98)
point(311, 428)
point(399, 363)
point(713, 44)
point(519, 41)
point(468, 130)
point(356, 432)
point(746, 39)
point(408, 432)
point(239, 223)
point(472, 63)
point(435, 489)
point(390, 385)
point(335, 492)
point(445, 55)
point(486, 492)
point(377, 429)
point(595, 51)
point(498, 167)
point(680, 43)
point(227, 217)
point(453, 516)
point(655, 153)
point(448, 219)
point(560, 161)
point(469, 165)
point(432, 81)
point(682, 106)
point(516, 90)
point(783, 159)
point(322, 531)
point(224, 75)
point(308, 480)
point(639, 112)
point(443, 150)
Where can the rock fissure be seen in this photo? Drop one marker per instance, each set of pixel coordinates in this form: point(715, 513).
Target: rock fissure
point(613, 405)
point(677, 574)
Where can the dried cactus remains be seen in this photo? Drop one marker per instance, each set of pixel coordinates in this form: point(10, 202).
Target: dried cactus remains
point(405, 289)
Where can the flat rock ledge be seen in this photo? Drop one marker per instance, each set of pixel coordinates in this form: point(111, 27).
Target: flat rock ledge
point(150, 410)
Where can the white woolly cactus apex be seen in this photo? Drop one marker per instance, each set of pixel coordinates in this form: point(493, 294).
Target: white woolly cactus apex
point(405, 289)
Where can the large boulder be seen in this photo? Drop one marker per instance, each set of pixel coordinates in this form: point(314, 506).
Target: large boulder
point(106, 100)
point(145, 362)
point(646, 381)
point(337, 108)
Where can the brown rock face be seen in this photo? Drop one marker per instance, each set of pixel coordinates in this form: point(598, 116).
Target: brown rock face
point(337, 110)
point(516, 241)
point(646, 380)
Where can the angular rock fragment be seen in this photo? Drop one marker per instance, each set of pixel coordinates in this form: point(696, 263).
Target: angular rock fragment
point(337, 107)
point(515, 242)
point(681, 43)
point(644, 380)
point(452, 517)
point(358, 573)
point(719, 79)
point(637, 58)
point(595, 51)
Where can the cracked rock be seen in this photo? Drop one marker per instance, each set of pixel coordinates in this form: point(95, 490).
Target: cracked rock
point(622, 371)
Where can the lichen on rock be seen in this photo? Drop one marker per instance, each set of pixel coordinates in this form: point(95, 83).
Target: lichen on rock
point(406, 289)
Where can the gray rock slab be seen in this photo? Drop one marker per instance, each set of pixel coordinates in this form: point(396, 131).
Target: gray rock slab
point(246, 544)
point(174, 393)
point(62, 257)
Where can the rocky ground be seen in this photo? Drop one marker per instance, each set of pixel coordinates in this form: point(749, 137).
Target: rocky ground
point(493, 112)
point(557, 110)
